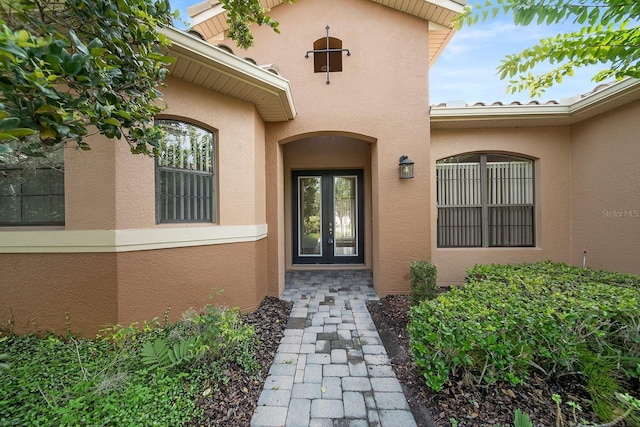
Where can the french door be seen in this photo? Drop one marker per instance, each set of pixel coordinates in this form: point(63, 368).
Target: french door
point(328, 217)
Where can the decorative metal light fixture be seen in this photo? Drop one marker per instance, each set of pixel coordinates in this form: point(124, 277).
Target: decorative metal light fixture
point(406, 167)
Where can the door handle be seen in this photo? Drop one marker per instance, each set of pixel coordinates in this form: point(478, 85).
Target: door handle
point(330, 240)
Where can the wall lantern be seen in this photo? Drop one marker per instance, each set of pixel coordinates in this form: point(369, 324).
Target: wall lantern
point(406, 167)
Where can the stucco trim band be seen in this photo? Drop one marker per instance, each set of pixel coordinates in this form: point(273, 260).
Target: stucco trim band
point(89, 241)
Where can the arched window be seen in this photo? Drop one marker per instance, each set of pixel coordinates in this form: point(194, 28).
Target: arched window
point(485, 200)
point(185, 174)
point(327, 61)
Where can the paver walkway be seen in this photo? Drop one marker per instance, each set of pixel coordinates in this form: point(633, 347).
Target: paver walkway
point(331, 368)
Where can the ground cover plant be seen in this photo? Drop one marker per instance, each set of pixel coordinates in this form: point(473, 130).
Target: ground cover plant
point(152, 374)
point(510, 323)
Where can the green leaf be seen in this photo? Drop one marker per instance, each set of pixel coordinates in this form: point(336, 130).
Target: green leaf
point(44, 109)
point(19, 132)
point(98, 51)
point(522, 419)
point(47, 134)
point(13, 51)
point(155, 353)
point(77, 42)
point(112, 121)
point(9, 123)
point(22, 36)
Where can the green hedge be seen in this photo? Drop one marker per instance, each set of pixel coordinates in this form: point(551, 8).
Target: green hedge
point(509, 320)
point(423, 282)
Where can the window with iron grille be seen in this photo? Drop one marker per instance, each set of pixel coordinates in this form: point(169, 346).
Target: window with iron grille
point(485, 200)
point(32, 188)
point(327, 61)
point(185, 174)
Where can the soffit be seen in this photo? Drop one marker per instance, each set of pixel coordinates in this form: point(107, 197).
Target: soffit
point(210, 19)
point(210, 67)
point(564, 113)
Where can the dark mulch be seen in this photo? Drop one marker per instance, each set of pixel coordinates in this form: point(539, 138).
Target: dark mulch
point(234, 404)
point(467, 405)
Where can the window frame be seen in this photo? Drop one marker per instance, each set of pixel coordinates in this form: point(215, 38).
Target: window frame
point(507, 224)
point(17, 164)
point(333, 57)
point(206, 179)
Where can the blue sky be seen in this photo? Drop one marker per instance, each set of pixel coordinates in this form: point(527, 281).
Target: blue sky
point(466, 70)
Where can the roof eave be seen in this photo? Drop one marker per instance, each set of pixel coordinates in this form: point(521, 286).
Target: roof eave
point(209, 17)
point(572, 112)
point(267, 88)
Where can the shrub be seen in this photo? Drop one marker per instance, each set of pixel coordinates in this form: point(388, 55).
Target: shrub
point(149, 375)
point(507, 320)
point(423, 282)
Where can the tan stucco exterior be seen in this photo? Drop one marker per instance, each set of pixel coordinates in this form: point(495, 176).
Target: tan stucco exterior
point(605, 193)
point(551, 150)
point(587, 197)
point(368, 101)
point(106, 280)
point(59, 291)
point(111, 262)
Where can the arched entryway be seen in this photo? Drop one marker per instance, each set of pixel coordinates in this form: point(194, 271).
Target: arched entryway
point(328, 201)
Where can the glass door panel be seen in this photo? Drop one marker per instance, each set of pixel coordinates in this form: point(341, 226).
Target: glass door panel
point(345, 213)
point(310, 218)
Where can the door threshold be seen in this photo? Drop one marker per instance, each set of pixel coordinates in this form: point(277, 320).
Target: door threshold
point(329, 267)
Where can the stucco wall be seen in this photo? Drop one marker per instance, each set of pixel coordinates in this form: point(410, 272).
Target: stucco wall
point(152, 282)
point(39, 291)
point(605, 200)
point(381, 95)
point(113, 263)
point(89, 185)
point(239, 150)
point(552, 150)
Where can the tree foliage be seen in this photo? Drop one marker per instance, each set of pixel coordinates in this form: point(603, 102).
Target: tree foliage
point(609, 35)
point(241, 14)
point(72, 67)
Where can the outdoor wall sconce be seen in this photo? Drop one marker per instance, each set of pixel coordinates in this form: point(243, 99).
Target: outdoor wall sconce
point(406, 167)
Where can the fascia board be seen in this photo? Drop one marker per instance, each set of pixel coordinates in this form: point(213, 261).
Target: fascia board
point(202, 52)
point(209, 13)
point(626, 88)
point(447, 4)
point(441, 114)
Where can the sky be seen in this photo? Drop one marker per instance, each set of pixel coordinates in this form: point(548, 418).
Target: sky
point(466, 70)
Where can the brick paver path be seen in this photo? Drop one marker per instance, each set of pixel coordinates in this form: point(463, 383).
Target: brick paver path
point(331, 368)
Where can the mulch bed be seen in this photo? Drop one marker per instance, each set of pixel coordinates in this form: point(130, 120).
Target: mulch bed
point(461, 404)
point(233, 405)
